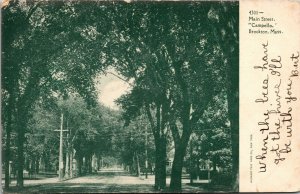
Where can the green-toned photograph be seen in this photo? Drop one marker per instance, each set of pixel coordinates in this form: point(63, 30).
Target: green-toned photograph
point(119, 96)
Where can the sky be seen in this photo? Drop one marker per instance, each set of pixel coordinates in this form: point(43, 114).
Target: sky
point(110, 88)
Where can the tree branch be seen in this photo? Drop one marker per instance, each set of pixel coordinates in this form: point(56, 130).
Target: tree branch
point(32, 10)
point(200, 110)
point(149, 115)
point(120, 78)
point(175, 132)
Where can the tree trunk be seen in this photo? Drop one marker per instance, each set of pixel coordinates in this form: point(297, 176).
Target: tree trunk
point(32, 167)
point(8, 139)
point(214, 163)
point(85, 165)
point(233, 111)
point(198, 169)
point(180, 149)
point(79, 162)
point(235, 150)
point(160, 143)
point(67, 171)
point(133, 166)
point(90, 163)
point(20, 158)
point(175, 185)
point(46, 162)
point(137, 165)
point(71, 164)
point(160, 163)
point(22, 119)
point(7, 155)
point(191, 163)
point(37, 169)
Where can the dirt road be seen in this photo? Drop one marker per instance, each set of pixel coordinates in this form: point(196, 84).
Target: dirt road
point(105, 181)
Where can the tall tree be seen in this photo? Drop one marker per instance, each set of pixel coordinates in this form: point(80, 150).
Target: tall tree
point(173, 55)
point(140, 102)
point(225, 24)
point(213, 140)
point(36, 35)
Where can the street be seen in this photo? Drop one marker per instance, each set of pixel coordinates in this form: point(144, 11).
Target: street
point(104, 181)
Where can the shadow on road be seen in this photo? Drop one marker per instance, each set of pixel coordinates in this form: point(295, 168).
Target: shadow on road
point(84, 188)
point(105, 181)
point(110, 173)
point(100, 182)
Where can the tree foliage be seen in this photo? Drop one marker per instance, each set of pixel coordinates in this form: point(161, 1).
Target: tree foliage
point(177, 57)
point(177, 63)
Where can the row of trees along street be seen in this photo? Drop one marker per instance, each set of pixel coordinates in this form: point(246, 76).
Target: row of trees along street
point(180, 59)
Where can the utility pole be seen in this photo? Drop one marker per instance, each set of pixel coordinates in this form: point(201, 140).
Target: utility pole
point(191, 162)
point(61, 162)
point(67, 170)
point(146, 146)
point(71, 152)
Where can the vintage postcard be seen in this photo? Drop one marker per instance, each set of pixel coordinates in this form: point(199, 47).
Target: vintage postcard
point(150, 96)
